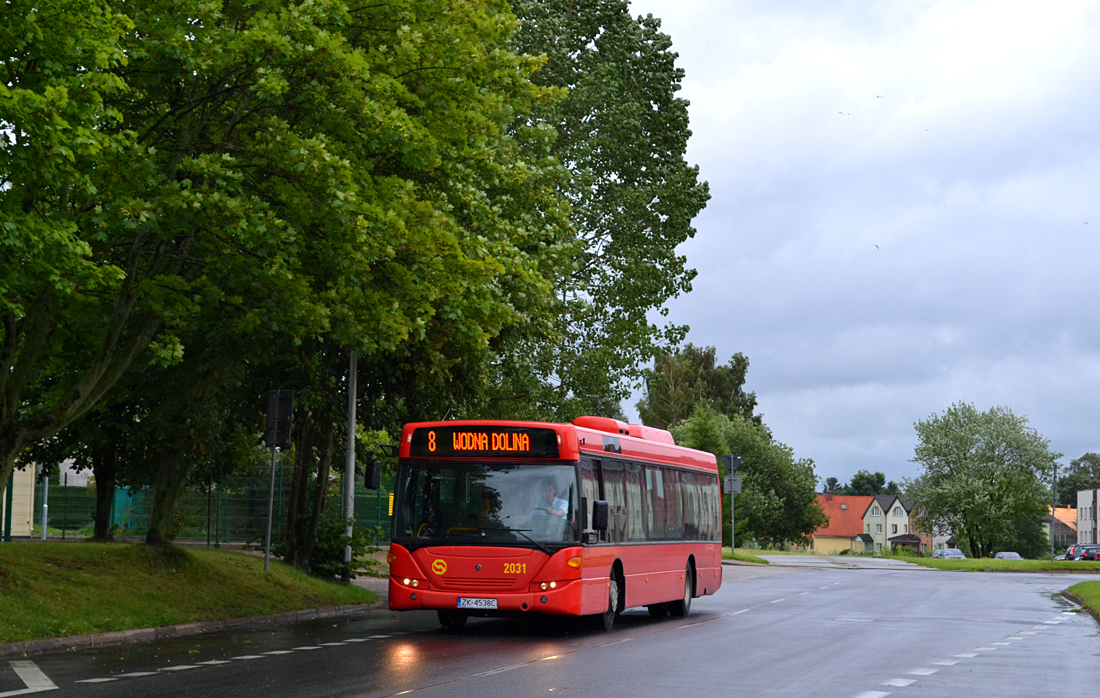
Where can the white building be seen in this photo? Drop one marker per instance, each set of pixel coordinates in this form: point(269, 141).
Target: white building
point(1087, 528)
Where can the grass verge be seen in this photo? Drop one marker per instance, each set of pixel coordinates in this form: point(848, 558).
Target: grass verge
point(57, 590)
point(1087, 594)
point(742, 555)
point(989, 565)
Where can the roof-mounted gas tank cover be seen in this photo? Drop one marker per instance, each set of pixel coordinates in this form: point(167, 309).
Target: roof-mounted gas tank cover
point(614, 426)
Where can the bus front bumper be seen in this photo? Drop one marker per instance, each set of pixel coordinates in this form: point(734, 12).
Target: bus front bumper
point(564, 600)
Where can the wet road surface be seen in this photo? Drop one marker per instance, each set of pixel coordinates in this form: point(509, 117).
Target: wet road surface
point(823, 630)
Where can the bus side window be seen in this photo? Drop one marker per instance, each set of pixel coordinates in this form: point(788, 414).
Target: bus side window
point(674, 518)
point(613, 488)
point(635, 532)
point(590, 491)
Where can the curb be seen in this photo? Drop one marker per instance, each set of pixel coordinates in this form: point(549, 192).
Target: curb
point(1077, 600)
point(120, 637)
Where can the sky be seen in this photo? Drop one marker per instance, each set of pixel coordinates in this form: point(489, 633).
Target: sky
point(904, 214)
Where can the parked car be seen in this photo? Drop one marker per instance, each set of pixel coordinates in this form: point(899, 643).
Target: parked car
point(1007, 556)
point(949, 554)
point(1077, 552)
point(1092, 552)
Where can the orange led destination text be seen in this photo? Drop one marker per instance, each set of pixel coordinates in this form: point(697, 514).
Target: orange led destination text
point(482, 441)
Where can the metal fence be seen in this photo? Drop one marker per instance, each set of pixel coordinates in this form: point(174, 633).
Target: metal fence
point(231, 512)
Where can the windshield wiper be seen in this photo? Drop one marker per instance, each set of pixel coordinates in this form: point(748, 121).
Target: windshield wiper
point(523, 532)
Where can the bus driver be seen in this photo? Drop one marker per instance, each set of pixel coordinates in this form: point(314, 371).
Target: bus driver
point(551, 504)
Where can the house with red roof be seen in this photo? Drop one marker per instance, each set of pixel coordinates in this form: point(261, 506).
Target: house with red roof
point(845, 528)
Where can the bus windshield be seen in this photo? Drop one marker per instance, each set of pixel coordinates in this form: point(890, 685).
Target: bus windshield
point(487, 502)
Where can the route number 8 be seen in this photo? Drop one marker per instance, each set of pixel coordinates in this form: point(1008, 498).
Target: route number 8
point(431, 441)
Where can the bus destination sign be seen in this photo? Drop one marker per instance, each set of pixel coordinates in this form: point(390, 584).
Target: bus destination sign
point(475, 440)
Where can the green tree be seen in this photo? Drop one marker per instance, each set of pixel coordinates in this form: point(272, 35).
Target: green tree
point(65, 335)
point(308, 177)
point(621, 134)
point(982, 477)
point(1082, 474)
point(778, 503)
point(686, 378)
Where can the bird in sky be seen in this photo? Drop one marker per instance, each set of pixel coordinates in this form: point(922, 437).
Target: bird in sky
point(878, 96)
point(878, 248)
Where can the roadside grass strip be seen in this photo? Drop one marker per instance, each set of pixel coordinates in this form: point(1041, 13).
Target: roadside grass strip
point(988, 565)
point(63, 589)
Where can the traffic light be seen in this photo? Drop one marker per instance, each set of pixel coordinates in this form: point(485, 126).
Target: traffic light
point(280, 418)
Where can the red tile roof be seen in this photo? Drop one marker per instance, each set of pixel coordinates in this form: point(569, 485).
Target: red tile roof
point(843, 522)
point(1067, 515)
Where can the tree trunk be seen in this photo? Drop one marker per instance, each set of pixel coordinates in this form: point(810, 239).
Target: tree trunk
point(299, 490)
point(103, 466)
point(320, 496)
point(171, 477)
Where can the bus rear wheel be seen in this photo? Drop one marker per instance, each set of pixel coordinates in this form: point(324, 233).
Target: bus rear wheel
point(452, 621)
point(680, 609)
point(606, 620)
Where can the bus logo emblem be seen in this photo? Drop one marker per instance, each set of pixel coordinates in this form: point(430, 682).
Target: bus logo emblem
point(439, 566)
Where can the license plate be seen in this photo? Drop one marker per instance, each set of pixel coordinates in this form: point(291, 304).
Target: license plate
point(490, 604)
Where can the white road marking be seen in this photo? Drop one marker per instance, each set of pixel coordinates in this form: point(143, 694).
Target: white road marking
point(81, 681)
point(514, 666)
point(804, 593)
point(855, 620)
point(135, 674)
point(737, 613)
point(922, 671)
point(332, 644)
point(306, 648)
point(777, 601)
point(1029, 632)
point(214, 662)
point(900, 682)
point(984, 649)
point(1038, 627)
point(249, 656)
point(180, 667)
point(356, 639)
point(278, 652)
point(32, 676)
point(873, 694)
point(616, 642)
point(379, 637)
point(1014, 637)
point(966, 655)
point(824, 587)
point(1052, 622)
point(1001, 643)
point(947, 662)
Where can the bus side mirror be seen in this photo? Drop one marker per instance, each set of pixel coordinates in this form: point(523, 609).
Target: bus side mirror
point(373, 476)
point(599, 515)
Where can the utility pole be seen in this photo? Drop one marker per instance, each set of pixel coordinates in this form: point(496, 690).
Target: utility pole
point(1053, 508)
point(732, 487)
point(349, 465)
point(280, 420)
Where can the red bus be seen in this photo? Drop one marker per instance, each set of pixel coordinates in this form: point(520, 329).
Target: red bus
point(583, 519)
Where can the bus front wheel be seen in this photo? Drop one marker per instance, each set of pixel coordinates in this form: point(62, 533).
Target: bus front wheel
point(606, 620)
point(680, 609)
point(452, 621)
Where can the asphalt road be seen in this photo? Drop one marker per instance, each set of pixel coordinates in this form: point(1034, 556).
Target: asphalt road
point(819, 627)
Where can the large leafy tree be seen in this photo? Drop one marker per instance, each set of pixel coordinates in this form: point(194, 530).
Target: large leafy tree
point(982, 477)
point(306, 177)
point(621, 135)
point(1082, 474)
point(778, 503)
point(686, 378)
point(65, 335)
